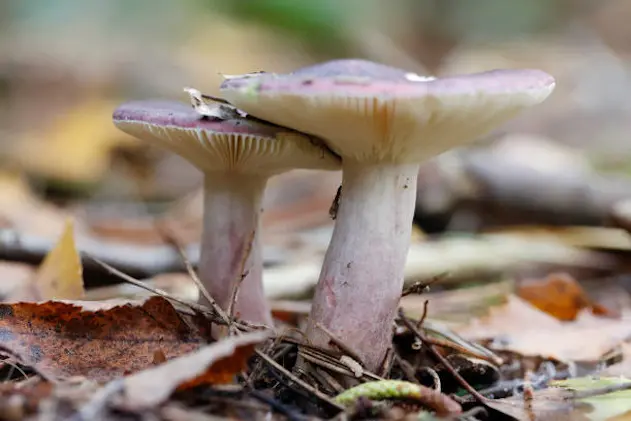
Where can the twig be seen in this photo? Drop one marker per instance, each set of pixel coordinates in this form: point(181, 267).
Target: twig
point(406, 367)
point(14, 366)
point(330, 380)
point(340, 344)
point(423, 285)
point(327, 361)
point(321, 382)
point(422, 320)
point(242, 274)
point(254, 374)
point(386, 365)
point(297, 381)
point(240, 324)
point(171, 239)
point(314, 360)
point(139, 284)
point(435, 377)
point(441, 359)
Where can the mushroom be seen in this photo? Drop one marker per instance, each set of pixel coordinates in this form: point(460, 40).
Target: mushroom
point(237, 156)
point(383, 122)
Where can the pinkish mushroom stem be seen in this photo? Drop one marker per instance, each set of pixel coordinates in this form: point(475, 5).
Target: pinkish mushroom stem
point(230, 250)
point(362, 275)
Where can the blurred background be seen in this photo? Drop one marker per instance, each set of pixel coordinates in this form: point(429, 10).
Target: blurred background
point(65, 65)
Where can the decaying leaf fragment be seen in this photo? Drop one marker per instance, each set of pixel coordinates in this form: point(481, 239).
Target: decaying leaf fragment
point(559, 295)
point(213, 364)
point(221, 111)
point(99, 341)
point(520, 327)
point(60, 276)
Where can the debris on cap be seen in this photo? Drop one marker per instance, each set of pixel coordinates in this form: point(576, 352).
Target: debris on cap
point(220, 111)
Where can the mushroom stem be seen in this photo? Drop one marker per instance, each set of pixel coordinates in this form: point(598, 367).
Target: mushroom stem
point(362, 276)
point(232, 205)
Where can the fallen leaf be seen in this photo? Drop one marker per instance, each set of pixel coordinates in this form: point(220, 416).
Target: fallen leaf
point(63, 152)
point(97, 340)
point(551, 404)
point(520, 327)
point(604, 407)
point(213, 364)
point(559, 295)
point(60, 276)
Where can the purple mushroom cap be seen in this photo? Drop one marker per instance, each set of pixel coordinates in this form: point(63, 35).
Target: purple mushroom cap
point(211, 144)
point(372, 112)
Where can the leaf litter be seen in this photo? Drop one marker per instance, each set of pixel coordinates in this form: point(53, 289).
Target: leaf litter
point(516, 349)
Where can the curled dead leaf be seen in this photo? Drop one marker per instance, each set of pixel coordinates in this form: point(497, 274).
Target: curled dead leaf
point(213, 364)
point(558, 294)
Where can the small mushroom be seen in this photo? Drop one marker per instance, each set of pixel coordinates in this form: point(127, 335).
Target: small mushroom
point(237, 156)
point(383, 122)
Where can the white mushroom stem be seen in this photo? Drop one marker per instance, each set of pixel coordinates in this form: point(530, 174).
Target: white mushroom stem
point(361, 280)
point(232, 205)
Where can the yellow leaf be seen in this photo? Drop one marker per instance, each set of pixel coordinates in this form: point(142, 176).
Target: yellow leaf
point(76, 147)
point(60, 276)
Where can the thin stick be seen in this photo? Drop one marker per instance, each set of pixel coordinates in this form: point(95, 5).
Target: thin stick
point(172, 240)
point(297, 381)
point(242, 274)
point(314, 360)
point(421, 286)
point(386, 366)
point(420, 335)
point(425, 308)
point(325, 360)
point(334, 384)
point(406, 368)
point(242, 325)
point(14, 366)
point(112, 270)
point(340, 344)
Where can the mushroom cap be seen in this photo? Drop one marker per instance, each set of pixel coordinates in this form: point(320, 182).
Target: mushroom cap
point(238, 144)
point(370, 112)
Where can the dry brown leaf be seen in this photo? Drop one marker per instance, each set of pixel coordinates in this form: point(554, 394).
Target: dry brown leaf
point(60, 276)
point(100, 341)
point(213, 364)
point(559, 295)
point(520, 327)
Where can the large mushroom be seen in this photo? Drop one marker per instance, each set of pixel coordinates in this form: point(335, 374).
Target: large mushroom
point(237, 156)
point(383, 122)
